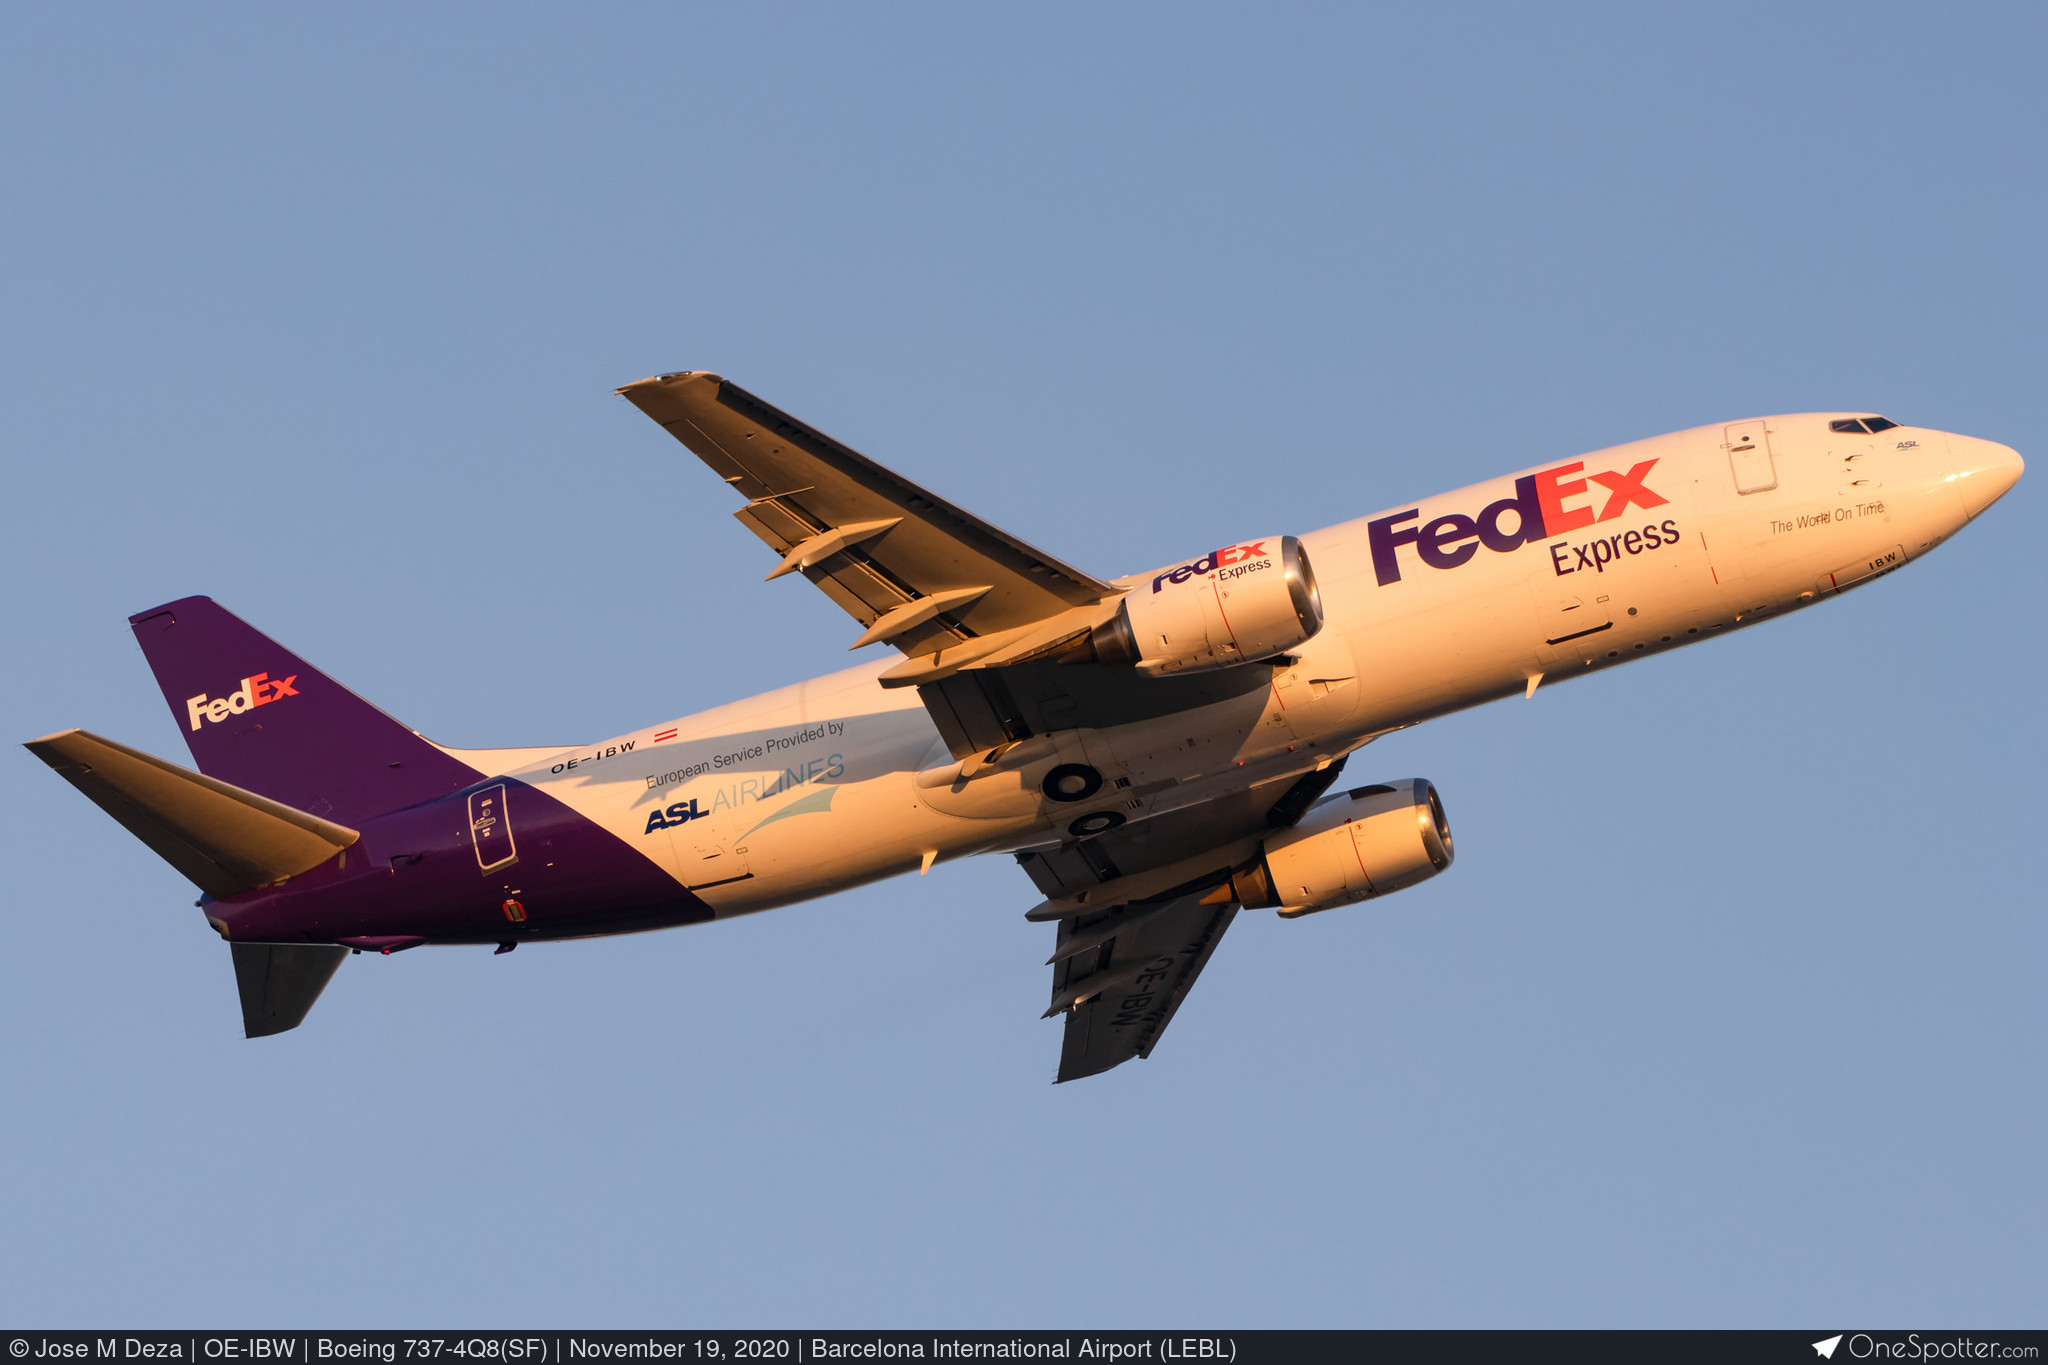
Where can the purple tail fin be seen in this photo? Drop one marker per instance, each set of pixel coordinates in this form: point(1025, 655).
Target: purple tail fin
point(255, 714)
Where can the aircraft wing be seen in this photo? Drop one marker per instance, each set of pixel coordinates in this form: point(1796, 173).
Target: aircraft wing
point(1141, 908)
point(909, 566)
point(1130, 998)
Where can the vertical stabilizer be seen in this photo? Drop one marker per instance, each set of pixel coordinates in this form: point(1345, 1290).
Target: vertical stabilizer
point(257, 716)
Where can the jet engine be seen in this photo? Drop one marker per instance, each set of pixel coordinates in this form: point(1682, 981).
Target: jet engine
point(1246, 601)
point(1369, 842)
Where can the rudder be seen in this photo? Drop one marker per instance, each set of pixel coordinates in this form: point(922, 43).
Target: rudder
point(256, 715)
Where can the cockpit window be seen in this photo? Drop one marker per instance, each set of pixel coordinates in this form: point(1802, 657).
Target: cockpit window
point(1873, 425)
point(1877, 424)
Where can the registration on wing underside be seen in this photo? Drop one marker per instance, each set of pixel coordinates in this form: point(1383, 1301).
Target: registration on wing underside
point(1120, 996)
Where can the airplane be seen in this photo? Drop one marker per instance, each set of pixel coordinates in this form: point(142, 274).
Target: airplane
point(1157, 751)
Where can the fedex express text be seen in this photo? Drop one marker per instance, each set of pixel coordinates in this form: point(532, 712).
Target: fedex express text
point(1539, 512)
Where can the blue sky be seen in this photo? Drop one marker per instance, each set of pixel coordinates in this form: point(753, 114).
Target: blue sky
point(1730, 1012)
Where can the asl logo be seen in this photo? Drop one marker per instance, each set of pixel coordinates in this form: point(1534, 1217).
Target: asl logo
point(1539, 508)
point(1216, 559)
point(260, 690)
point(681, 813)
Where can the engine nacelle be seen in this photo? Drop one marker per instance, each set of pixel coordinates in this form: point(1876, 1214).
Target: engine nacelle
point(1370, 842)
point(1245, 601)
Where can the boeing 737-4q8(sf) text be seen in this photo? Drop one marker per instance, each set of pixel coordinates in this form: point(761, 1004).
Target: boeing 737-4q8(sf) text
point(1156, 751)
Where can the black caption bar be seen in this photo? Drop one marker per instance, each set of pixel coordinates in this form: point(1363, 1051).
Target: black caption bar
point(1087, 1348)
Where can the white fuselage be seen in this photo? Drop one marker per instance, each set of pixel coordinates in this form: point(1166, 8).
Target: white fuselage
point(836, 781)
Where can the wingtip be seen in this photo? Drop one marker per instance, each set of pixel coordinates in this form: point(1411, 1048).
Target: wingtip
point(48, 747)
point(54, 734)
point(672, 377)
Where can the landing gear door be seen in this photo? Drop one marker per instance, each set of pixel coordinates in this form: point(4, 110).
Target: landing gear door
point(1749, 456)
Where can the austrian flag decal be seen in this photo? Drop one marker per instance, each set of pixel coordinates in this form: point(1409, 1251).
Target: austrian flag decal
point(258, 690)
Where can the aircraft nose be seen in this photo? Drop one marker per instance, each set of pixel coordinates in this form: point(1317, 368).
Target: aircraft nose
point(1984, 471)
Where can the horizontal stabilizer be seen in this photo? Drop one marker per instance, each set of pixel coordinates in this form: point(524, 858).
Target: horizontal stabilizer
point(280, 981)
point(224, 839)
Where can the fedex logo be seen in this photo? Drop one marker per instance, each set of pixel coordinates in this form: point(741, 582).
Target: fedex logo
point(1539, 509)
point(260, 690)
point(1215, 559)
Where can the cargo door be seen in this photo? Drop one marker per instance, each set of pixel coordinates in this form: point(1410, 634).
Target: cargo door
point(1749, 457)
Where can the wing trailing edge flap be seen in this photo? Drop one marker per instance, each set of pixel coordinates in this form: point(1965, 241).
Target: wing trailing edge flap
point(224, 839)
point(943, 586)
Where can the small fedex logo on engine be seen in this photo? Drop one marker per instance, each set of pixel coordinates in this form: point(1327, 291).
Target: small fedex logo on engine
point(1214, 560)
point(259, 689)
point(1537, 511)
